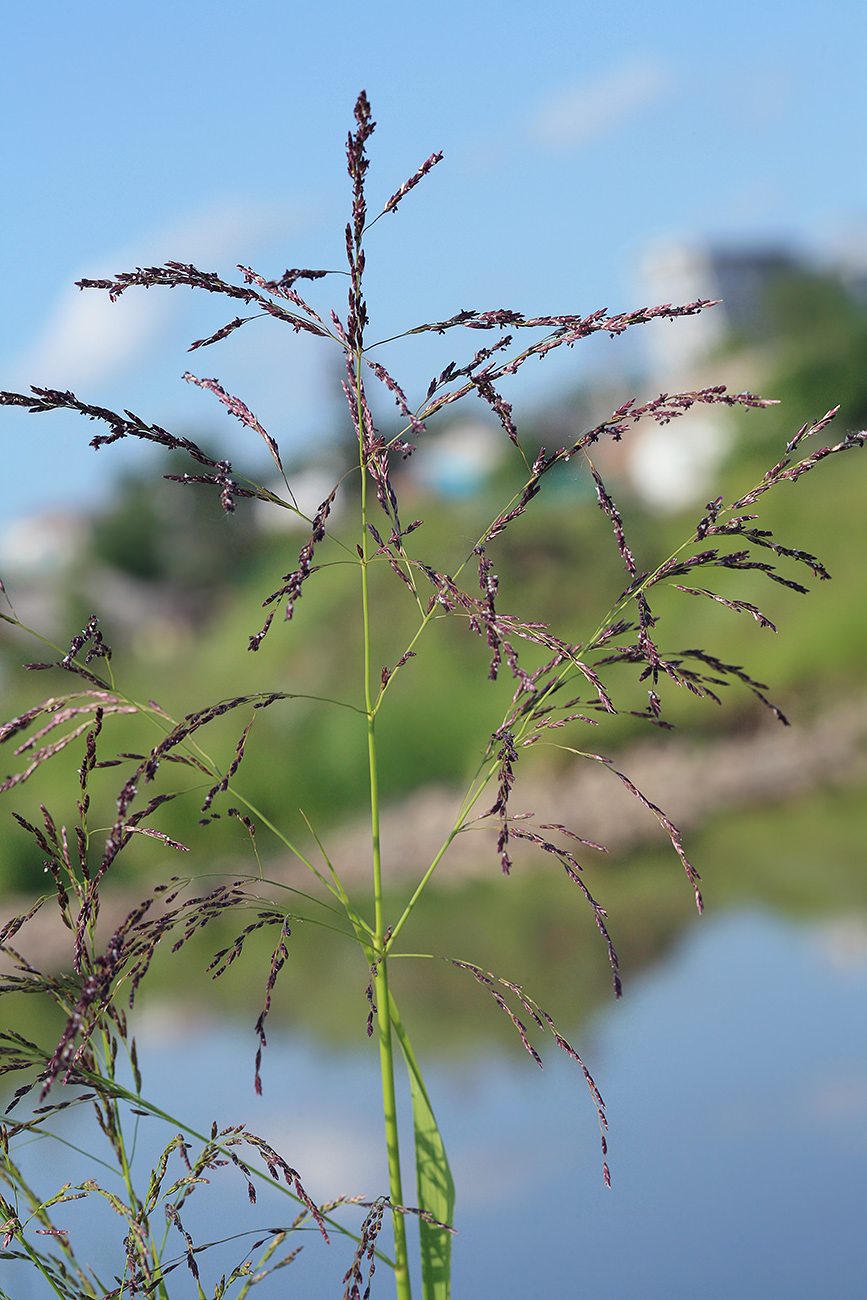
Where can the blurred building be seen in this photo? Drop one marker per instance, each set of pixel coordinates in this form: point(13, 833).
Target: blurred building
point(37, 552)
point(42, 544)
point(671, 466)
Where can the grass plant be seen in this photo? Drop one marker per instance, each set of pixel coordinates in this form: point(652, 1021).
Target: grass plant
point(560, 690)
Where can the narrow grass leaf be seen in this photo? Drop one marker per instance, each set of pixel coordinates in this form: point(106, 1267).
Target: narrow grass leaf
point(436, 1188)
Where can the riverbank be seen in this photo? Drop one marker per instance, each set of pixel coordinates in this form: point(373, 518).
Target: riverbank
point(688, 779)
point(691, 781)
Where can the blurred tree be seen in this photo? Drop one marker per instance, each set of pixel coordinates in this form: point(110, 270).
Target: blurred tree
point(820, 346)
point(162, 533)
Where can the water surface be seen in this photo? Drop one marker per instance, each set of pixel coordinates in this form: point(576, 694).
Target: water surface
point(736, 1079)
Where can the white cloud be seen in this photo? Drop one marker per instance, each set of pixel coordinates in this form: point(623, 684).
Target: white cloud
point(336, 1155)
point(582, 114)
point(89, 339)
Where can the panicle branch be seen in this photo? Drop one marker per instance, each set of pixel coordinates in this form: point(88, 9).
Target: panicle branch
point(241, 412)
point(130, 425)
point(541, 1019)
point(412, 182)
point(174, 275)
point(357, 164)
point(293, 582)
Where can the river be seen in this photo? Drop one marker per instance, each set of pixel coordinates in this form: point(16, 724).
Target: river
point(735, 1073)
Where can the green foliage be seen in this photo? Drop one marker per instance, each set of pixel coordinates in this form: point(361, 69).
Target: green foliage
point(189, 547)
point(821, 333)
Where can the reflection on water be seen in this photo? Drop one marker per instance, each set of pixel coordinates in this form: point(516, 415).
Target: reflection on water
point(736, 1078)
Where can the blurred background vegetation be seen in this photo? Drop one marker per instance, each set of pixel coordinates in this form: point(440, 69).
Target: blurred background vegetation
point(178, 587)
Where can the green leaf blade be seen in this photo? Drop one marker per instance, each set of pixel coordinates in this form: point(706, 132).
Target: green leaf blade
point(436, 1188)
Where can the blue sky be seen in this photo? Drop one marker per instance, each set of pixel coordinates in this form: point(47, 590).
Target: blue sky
point(575, 135)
